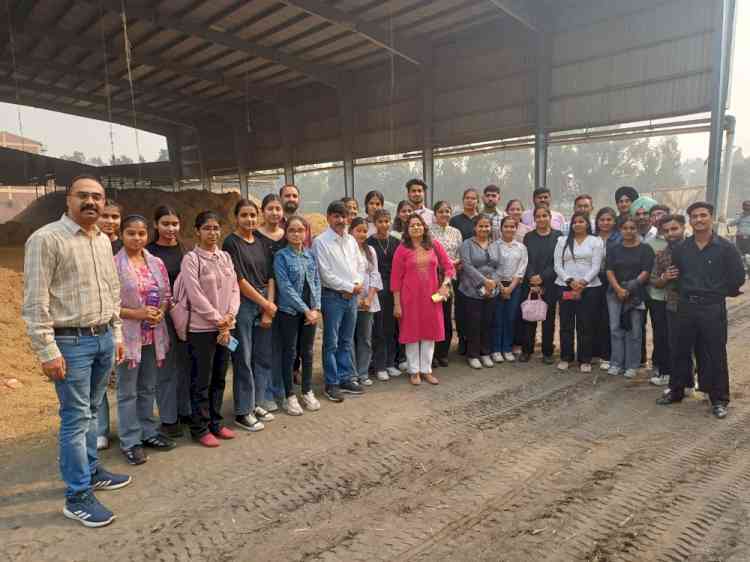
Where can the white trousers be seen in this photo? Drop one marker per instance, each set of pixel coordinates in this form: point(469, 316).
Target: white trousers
point(419, 356)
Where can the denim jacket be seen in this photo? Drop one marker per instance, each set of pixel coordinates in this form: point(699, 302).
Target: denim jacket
point(291, 269)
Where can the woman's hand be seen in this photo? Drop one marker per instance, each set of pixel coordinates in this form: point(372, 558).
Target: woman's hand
point(622, 294)
point(270, 308)
point(444, 291)
point(458, 265)
point(223, 338)
point(312, 317)
point(577, 286)
point(536, 290)
point(505, 292)
point(397, 311)
point(265, 320)
point(489, 285)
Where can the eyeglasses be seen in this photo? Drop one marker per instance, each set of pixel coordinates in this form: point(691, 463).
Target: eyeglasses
point(84, 195)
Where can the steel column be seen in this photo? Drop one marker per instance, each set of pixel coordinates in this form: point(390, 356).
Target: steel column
point(722, 58)
point(428, 143)
point(346, 116)
point(542, 110)
point(286, 126)
point(241, 149)
point(174, 148)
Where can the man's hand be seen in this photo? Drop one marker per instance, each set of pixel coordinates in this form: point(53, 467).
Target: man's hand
point(270, 308)
point(55, 369)
point(357, 289)
point(489, 286)
point(119, 353)
point(265, 320)
point(622, 294)
point(671, 273)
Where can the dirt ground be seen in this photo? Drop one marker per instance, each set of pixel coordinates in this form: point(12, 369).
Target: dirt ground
point(514, 463)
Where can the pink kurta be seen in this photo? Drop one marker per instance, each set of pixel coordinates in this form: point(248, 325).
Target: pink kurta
point(421, 319)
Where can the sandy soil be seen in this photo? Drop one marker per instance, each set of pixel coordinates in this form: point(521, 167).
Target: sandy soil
point(513, 463)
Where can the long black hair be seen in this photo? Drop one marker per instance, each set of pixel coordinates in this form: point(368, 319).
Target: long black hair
point(358, 221)
point(605, 211)
point(570, 240)
point(398, 226)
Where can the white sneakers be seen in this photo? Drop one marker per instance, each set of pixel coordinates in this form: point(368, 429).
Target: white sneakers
point(393, 372)
point(310, 402)
point(487, 361)
point(604, 365)
point(630, 373)
point(613, 370)
point(562, 366)
point(402, 367)
point(497, 357)
point(585, 367)
point(659, 380)
point(102, 442)
point(383, 376)
point(474, 363)
point(292, 406)
point(509, 357)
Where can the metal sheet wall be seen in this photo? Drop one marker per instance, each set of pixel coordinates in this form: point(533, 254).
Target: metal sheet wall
point(651, 60)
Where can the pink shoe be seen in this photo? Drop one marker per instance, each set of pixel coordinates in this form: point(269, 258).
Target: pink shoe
point(208, 440)
point(224, 433)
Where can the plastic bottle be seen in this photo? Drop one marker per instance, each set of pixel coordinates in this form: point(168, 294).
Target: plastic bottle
point(153, 298)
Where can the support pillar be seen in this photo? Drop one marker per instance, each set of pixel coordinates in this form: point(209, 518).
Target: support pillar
point(721, 65)
point(542, 110)
point(174, 148)
point(286, 124)
point(346, 116)
point(428, 142)
point(241, 150)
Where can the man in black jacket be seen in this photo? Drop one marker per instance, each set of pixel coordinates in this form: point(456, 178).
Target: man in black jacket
point(709, 269)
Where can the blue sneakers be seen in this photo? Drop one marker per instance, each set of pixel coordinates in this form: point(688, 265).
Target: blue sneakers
point(104, 480)
point(86, 509)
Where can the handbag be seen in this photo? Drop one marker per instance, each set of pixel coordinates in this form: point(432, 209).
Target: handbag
point(534, 309)
point(181, 311)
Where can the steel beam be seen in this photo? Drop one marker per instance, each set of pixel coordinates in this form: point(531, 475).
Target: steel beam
point(241, 150)
point(313, 70)
point(721, 68)
point(519, 10)
point(397, 44)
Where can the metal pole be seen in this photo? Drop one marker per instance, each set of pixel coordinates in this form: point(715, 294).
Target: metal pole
point(726, 179)
point(428, 148)
point(542, 111)
point(722, 49)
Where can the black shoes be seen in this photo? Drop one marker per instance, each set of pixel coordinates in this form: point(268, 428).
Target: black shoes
point(333, 393)
point(669, 397)
point(524, 358)
point(160, 442)
point(135, 455)
point(719, 411)
point(351, 387)
point(442, 361)
point(172, 430)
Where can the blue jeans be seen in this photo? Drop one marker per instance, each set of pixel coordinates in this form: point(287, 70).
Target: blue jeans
point(339, 322)
point(505, 322)
point(252, 360)
point(88, 362)
point(363, 345)
point(102, 418)
point(136, 392)
point(275, 388)
point(626, 345)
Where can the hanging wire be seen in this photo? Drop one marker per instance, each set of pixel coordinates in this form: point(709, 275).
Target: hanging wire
point(392, 95)
point(128, 62)
point(248, 121)
point(14, 67)
point(107, 85)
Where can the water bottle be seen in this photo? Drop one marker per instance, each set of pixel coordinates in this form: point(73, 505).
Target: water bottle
point(153, 298)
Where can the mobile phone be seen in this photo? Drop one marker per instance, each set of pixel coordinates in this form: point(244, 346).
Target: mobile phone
point(233, 343)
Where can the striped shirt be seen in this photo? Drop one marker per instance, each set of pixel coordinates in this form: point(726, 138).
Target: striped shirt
point(70, 281)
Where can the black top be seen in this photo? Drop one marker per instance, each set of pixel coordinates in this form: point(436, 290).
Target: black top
point(541, 251)
point(628, 262)
point(116, 246)
point(464, 224)
point(384, 250)
point(714, 271)
point(252, 260)
point(171, 256)
point(273, 245)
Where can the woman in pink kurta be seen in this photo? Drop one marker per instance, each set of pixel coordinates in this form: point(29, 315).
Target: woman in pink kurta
point(414, 279)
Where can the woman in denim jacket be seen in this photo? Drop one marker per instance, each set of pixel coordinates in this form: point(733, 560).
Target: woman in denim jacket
point(298, 300)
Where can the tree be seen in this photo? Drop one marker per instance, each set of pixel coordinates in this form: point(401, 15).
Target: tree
point(77, 156)
point(96, 161)
point(119, 160)
point(163, 155)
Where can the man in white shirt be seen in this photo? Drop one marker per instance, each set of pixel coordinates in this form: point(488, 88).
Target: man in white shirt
point(416, 191)
point(338, 258)
point(543, 198)
point(490, 200)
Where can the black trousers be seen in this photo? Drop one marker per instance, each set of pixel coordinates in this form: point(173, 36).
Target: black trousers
point(479, 317)
point(660, 332)
point(458, 312)
point(703, 328)
point(443, 347)
point(550, 296)
point(297, 339)
point(208, 377)
point(384, 330)
point(577, 323)
point(602, 344)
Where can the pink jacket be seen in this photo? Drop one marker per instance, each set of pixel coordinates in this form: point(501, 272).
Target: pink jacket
point(211, 285)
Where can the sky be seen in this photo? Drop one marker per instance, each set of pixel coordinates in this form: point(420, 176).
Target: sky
point(63, 134)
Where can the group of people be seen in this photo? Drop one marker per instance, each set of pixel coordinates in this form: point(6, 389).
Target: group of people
point(105, 292)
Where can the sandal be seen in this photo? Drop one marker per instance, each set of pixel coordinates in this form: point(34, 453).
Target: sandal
point(415, 379)
point(430, 378)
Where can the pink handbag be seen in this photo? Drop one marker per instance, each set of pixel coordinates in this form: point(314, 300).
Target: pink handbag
point(534, 309)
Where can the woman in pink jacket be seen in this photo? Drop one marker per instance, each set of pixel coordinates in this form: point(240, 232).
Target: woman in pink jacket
point(211, 285)
point(414, 283)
